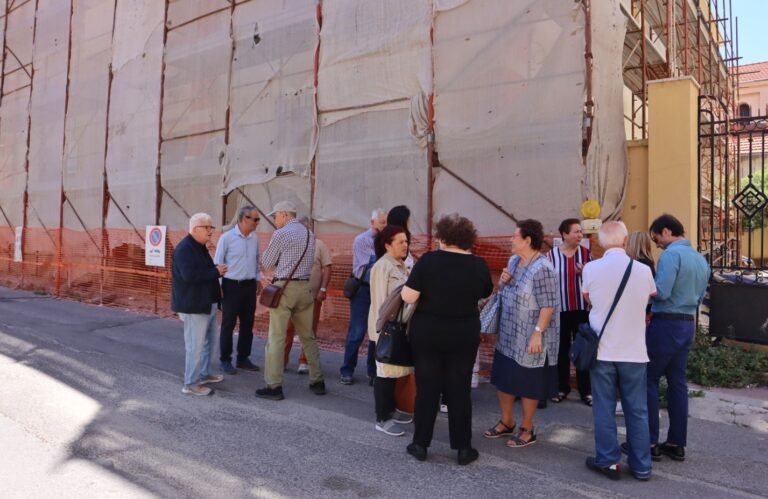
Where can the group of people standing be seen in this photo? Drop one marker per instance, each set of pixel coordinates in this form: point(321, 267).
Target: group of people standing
point(543, 300)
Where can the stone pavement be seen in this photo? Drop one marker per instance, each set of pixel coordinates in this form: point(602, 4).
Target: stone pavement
point(91, 406)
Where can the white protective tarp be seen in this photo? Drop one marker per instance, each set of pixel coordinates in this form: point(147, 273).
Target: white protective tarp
point(509, 95)
point(191, 173)
point(87, 113)
point(195, 99)
point(369, 161)
point(265, 195)
point(607, 164)
point(373, 52)
point(184, 11)
point(197, 58)
point(134, 115)
point(273, 120)
point(14, 114)
point(375, 56)
point(13, 144)
point(47, 113)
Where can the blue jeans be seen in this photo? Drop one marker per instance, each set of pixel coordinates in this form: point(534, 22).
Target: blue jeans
point(630, 379)
point(668, 344)
point(358, 328)
point(199, 337)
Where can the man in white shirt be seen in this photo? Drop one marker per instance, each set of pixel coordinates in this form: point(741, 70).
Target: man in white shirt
point(238, 248)
point(621, 357)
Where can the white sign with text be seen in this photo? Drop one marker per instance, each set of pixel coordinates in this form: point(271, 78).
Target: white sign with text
point(154, 246)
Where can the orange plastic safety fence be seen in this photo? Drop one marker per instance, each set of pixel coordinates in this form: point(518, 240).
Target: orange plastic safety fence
point(107, 268)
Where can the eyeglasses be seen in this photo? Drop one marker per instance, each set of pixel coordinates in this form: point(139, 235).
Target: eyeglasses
point(206, 227)
point(255, 219)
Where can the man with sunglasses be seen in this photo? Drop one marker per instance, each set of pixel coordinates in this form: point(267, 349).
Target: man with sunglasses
point(238, 248)
point(195, 295)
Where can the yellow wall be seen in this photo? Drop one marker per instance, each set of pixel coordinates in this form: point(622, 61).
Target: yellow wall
point(635, 212)
point(757, 252)
point(673, 152)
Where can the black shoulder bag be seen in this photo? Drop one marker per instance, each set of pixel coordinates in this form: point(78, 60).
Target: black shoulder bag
point(583, 352)
point(393, 346)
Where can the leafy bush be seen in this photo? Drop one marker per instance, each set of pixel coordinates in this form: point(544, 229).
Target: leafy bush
point(726, 366)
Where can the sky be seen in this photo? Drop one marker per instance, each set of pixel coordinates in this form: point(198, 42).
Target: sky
point(753, 24)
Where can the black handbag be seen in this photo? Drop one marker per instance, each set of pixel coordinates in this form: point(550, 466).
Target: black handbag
point(351, 285)
point(393, 346)
point(583, 352)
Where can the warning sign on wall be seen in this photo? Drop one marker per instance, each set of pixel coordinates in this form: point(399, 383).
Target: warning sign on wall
point(154, 247)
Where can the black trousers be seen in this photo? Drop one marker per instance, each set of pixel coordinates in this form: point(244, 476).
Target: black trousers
point(239, 302)
point(384, 397)
point(569, 325)
point(443, 363)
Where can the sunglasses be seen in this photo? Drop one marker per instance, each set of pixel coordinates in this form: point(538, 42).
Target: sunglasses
point(206, 227)
point(255, 219)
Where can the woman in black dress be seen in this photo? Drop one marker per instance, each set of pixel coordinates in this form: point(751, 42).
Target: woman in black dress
point(445, 333)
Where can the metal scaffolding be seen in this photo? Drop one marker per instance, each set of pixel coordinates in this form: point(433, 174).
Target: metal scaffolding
point(673, 38)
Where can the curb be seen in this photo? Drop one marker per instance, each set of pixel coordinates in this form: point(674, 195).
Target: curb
point(724, 406)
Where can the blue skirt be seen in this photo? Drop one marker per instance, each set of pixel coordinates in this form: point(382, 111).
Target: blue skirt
point(537, 383)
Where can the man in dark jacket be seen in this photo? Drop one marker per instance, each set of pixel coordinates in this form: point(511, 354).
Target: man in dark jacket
point(195, 295)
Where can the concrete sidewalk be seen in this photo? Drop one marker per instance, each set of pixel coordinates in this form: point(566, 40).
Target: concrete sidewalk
point(91, 405)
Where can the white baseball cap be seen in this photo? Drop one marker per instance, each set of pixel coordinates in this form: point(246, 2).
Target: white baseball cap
point(283, 206)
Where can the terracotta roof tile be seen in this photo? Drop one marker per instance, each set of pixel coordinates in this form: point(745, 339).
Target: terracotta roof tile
point(753, 72)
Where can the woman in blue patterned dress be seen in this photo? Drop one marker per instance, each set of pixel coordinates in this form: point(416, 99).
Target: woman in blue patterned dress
point(525, 360)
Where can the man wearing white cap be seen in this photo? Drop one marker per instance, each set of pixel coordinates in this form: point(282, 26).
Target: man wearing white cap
point(291, 250)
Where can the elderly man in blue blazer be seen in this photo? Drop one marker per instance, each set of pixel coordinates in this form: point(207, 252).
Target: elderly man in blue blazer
point(195, 296)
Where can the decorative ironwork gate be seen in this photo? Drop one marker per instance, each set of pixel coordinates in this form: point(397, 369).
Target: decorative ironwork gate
point(733, 219)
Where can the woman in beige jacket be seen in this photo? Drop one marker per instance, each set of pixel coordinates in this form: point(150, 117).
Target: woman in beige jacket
point(388, 273)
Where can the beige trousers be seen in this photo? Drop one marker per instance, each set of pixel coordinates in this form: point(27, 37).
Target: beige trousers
point(296, 305)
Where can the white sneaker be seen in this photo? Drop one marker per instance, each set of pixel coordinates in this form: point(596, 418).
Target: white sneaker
point(198, 390)
point(390, 428)
point(401, 417)
point(444, 408)
point(303, 369)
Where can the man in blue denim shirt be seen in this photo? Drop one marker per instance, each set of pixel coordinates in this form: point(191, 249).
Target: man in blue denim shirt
point(681, 279)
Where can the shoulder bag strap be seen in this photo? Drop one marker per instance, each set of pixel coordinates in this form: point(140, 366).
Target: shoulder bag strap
point(300, 258)
point(618, 296)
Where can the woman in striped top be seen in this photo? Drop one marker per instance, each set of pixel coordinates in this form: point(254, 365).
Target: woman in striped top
point(568, 259)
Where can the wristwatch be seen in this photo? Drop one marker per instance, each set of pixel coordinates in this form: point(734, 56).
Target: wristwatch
point(323, 290)
point(538, 329)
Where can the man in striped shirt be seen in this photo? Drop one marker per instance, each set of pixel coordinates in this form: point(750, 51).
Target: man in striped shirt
point(363, 258)
point(291, 250)
point(569, 259)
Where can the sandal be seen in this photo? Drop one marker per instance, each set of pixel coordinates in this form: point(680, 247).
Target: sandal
point(587, 400)
point(492, 432)
point(559, 397)
point(516, 441)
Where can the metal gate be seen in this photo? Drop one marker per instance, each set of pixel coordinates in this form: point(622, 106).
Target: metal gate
point(733, 219)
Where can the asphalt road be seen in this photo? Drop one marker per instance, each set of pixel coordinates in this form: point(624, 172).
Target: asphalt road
point(91, 406)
